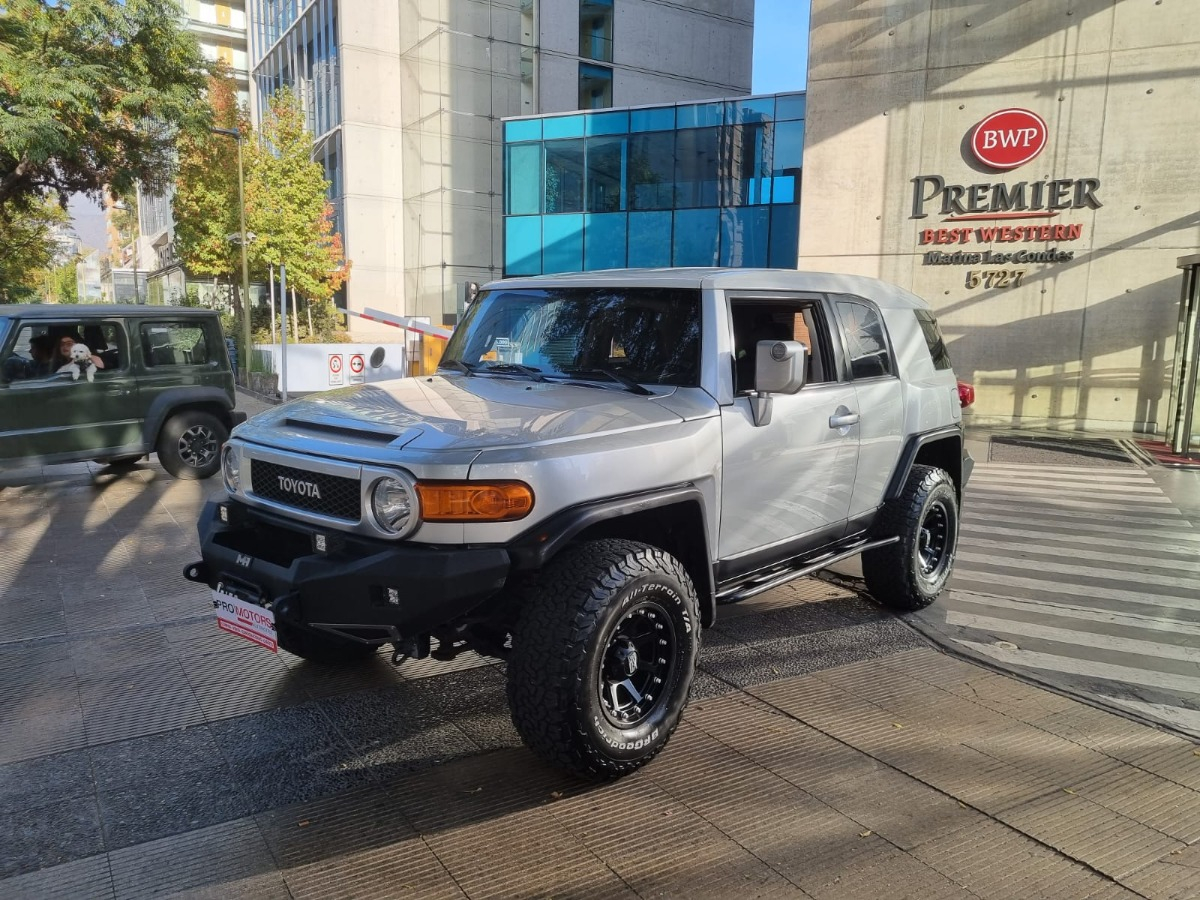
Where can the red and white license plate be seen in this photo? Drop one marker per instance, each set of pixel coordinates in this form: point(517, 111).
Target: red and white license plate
point(247, 620)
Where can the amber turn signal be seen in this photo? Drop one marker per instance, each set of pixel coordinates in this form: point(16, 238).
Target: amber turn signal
point(474, 501)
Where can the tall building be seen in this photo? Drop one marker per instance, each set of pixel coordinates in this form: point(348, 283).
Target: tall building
point(150, 262)
point(405, 100)
point(1030, 168)
point(686, 184)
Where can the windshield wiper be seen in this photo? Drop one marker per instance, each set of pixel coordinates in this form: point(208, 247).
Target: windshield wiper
point(516, 368)
point(458, 365)
point(616, 375)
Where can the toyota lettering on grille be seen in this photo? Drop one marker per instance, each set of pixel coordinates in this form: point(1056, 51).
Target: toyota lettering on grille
point(296, 486)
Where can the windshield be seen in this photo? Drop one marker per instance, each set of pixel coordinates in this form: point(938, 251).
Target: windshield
point(649, 335)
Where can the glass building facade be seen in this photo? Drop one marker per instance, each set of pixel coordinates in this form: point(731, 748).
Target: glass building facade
point(692, 184)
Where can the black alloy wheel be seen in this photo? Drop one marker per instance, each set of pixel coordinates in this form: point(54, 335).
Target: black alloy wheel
point(189, 445)
point(637, 662)
point(910, 573)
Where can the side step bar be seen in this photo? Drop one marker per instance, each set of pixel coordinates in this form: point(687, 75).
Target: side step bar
point(744, 590)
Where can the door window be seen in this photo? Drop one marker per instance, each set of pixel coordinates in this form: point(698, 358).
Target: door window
point(779, 320)
point(41, 349)
point(866, 345)
point(174, 344)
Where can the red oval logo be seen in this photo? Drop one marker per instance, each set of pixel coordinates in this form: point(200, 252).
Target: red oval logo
point(1009, 138)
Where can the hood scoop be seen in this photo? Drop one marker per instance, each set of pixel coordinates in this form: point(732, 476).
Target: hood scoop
point(355, 429)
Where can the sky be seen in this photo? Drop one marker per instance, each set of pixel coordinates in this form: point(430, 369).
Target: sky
point(780, 46)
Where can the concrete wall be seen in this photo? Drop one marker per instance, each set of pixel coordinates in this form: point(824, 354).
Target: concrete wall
point(894, 91)
point(310, 369)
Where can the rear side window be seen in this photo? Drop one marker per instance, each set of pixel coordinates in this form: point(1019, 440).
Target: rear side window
point(933, 339)
point(174, 344)
point(865, 342)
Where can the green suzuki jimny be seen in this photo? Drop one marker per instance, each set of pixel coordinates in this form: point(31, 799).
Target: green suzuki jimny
point(113, 383)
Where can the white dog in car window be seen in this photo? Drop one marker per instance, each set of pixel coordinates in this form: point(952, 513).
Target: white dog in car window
point(81, 363)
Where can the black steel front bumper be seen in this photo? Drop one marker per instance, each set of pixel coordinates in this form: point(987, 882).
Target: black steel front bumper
point(361, 587)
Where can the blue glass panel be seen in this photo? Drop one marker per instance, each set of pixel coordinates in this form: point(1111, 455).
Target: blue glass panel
point(562, 127)
point(607, 123)
point(523, 245)
point(744, 233)
point(750, 110)
point(699, 115)
point(604, 241)
point(785, 236)
point(524, 179)
point(697, 237)
point(661, 118)
point(789, 106)
point(789, 147)
point(783, 189)
point(523, 130)
point(649, 239)
point(563, 248)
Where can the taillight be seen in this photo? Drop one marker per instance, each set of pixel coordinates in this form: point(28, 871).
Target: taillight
point(966, 394)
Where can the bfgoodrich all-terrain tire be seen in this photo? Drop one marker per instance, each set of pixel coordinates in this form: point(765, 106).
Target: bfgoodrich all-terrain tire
point(603, 655)
point(318, 647)
point(189, 445)
point(910, 574)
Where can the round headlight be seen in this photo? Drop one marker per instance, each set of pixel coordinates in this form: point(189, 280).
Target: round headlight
point(231, 467)
point(393, 503)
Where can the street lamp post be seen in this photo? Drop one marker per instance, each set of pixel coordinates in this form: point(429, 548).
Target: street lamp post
point(237, 135)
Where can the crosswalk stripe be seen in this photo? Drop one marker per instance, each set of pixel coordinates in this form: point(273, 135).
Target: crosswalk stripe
point(1036, 552)
point(1076, 638)
point(1085, 613)
point(1044, 566)
point(1102, 538)
point(1032, 659)
point(1084, 514)
point(1091, 494)
point(1081, 529)
point(1075, 590)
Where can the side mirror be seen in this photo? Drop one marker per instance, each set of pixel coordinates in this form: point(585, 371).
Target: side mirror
point(780, 367)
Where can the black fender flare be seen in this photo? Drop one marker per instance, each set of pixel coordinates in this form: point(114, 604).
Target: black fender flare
point(533, 548)
point(908, 457)
point(175, 399)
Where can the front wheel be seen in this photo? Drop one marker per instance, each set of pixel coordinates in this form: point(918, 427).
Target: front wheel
point(911, 573)
point(189, 445)
point(603, 656)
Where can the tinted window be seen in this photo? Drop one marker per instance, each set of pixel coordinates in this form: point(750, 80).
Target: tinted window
point(174, 344)
point(933, 339)
point(652, 335)
point(39, 350)
point(865, 342)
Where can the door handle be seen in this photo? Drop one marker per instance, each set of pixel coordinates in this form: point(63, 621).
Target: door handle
point(843, 418)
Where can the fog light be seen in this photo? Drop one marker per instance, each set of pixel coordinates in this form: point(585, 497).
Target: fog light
point(223, 513)
point(393, 596)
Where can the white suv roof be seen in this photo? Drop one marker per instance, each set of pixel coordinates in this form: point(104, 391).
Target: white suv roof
point(881, 292)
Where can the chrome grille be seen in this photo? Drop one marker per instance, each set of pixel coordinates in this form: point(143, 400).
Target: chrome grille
point(339, 496)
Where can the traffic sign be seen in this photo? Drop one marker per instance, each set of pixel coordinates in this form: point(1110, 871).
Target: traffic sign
point(335, 369)
point(357, 365)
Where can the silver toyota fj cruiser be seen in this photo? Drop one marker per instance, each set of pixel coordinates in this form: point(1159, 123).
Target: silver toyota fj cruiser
point(600, 462)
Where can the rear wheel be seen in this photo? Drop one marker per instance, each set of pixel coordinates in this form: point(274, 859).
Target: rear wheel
point(319, 647)
point(189, 445)
point(603, 656)
point(911, 573)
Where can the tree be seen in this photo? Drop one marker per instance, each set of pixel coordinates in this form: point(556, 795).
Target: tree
point(205, 204)
point(91, 95)
point(30, 242)
point(288, 210)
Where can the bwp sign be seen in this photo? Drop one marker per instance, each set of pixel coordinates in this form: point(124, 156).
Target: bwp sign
point(1003, 141)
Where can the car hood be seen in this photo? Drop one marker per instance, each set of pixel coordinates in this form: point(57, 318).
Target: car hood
point(459, 413)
